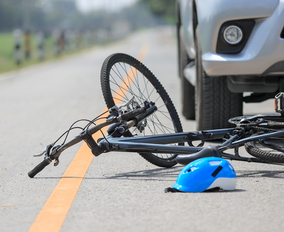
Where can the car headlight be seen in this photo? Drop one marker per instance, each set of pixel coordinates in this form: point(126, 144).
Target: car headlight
point(233, 34)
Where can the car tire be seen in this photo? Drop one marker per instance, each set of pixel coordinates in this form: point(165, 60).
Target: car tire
point(187, 89)
point(214, 102)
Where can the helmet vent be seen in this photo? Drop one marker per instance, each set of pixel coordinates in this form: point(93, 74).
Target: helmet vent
point(214, 163)
point(191, 169)
point(217, 170)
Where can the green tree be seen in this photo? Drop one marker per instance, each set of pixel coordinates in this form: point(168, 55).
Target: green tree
point(161, 8)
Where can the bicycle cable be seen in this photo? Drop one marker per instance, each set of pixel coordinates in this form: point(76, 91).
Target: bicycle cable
point(67, 132)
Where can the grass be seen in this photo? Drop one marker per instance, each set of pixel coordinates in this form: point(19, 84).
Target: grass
point(7, 57)
point(6, 52)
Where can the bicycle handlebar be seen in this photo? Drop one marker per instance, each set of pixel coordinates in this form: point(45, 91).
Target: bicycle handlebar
point(129, 115)
point(55, 153)
point(39, 167)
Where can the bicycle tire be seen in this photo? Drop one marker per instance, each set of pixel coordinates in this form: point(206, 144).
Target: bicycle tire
point(122, 77)
point(256, 149)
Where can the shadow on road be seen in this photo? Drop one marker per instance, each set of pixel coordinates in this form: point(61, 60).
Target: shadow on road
point(260, 173)
point(150, 174)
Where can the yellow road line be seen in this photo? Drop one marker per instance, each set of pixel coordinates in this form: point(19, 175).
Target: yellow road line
point(55, 210)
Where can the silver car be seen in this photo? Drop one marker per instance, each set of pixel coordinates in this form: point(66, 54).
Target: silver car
point(228, 48)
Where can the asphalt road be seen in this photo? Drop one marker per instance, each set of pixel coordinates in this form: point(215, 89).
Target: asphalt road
point(119, 192)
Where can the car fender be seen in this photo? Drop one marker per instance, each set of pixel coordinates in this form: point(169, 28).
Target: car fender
point(186, 18)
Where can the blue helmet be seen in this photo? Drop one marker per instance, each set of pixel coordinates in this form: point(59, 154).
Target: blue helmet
point(206, 173)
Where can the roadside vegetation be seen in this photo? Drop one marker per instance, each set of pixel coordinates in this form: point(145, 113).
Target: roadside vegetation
point(7, 52)
point(65, 30)
point(50, 49)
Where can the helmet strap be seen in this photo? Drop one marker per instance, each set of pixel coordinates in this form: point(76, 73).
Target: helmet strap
point(171, 190)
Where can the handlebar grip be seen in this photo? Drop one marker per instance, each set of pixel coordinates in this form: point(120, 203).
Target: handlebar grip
point(133, 113)
point(39, 168)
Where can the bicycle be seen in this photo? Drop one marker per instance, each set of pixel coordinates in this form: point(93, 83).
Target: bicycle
point(141, 118)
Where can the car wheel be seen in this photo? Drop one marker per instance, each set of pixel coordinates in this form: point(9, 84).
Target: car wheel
point(187, 89)
point(214, 102)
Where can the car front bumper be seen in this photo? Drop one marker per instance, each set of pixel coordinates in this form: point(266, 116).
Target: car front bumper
point(263, 53)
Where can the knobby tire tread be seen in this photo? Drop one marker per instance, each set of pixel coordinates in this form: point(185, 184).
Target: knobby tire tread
point(263, 155)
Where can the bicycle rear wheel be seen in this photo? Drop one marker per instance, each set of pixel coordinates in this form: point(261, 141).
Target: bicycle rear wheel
point(271, 149)
point(123, 77)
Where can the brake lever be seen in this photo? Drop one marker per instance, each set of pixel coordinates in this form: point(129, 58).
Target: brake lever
point(45, 152)
point(39, 154)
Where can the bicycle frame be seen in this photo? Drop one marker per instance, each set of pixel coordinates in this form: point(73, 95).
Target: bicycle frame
point(158, 143)
point(161, 143)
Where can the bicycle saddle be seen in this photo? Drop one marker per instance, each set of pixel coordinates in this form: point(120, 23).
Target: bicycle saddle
point(209, 151)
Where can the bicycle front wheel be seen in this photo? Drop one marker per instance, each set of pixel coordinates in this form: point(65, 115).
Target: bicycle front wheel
point(123, 77)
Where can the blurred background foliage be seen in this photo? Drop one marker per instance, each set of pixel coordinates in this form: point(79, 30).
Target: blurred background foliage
point(163, 9)
point(66, 28)
point(50, 14)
